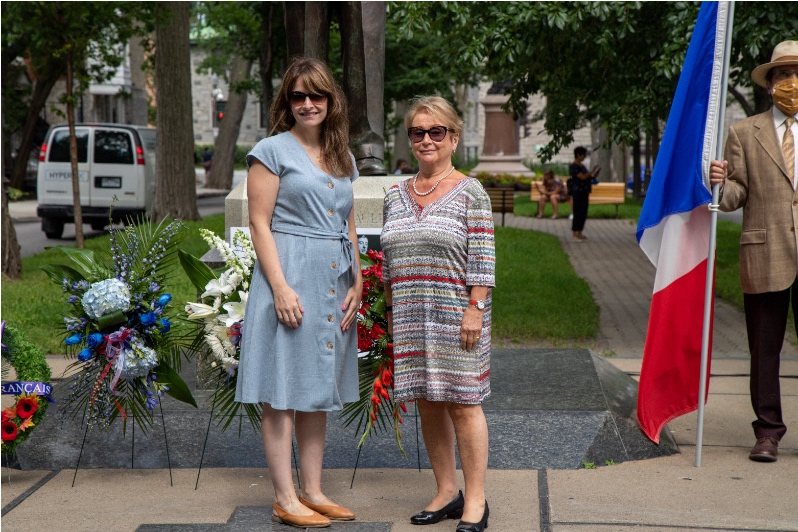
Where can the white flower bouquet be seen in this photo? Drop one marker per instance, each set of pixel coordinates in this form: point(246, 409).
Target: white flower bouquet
point(221, 313)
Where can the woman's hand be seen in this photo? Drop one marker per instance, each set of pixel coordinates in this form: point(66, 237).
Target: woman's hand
point(289, 308)
point(471, 328)
point(352, 305)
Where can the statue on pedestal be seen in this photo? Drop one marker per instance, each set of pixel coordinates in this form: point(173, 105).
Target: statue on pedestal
point(363, 56)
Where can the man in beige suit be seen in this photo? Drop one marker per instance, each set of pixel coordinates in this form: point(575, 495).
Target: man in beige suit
point(759, 175)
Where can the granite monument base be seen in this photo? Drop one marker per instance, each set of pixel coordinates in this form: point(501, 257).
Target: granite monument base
point(549, 409)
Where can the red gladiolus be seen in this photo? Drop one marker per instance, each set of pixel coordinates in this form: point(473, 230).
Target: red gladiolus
point(375, 398)
point(384, 393)
point(27, 406)
point(403, 407)
point(377, 384)
point(9, 429)
point(374, 416)
point(386, 378)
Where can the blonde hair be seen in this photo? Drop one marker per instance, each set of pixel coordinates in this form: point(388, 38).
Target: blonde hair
point(439, 109)
point(317, 78)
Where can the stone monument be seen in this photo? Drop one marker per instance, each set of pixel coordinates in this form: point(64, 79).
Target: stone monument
point(363, 56)
point(501, 149)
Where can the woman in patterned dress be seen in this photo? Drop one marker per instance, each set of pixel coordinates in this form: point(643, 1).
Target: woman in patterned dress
point(438, 269)
point(299, 346)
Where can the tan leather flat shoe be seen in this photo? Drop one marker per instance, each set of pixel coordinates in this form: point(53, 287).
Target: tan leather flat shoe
point(315, 520)
point(333, 511)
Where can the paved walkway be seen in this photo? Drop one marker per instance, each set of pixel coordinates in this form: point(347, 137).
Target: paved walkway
point(728, 493)
point(622, 280)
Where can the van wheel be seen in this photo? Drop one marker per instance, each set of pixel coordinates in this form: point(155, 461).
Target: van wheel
point(98, 225)
point(52, 228)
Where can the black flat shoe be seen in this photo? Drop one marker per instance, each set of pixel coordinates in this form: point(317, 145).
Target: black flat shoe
point(464, 526)
point(453, 510)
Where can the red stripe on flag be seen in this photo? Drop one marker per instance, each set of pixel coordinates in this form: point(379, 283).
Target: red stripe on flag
point(671, 367)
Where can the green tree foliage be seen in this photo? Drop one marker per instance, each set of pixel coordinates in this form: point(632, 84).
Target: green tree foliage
point(615, 62)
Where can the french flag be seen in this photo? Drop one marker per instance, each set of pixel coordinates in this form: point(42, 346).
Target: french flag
point(674, 229)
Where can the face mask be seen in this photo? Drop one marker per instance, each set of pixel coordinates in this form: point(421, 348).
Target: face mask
point(785, 96)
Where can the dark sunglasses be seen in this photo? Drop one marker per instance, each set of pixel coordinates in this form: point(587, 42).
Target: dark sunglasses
point(297, 98)
point(436, 133)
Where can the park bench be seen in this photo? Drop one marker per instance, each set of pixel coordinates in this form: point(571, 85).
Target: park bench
point(502, 200)
point(602, 194)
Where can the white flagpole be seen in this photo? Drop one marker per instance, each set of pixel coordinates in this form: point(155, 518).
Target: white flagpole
point(713, 224)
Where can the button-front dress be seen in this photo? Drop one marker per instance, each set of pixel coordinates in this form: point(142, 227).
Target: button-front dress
point(314, 367)
point(432, 256)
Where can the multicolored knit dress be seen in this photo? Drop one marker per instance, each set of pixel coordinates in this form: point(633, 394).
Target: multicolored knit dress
point(433, 255)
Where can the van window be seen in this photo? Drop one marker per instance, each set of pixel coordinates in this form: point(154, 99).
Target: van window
point(59, 147)
point(112, 147)
point(148, 139)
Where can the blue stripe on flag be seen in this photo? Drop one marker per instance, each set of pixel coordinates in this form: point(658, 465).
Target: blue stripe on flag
point(677, 183)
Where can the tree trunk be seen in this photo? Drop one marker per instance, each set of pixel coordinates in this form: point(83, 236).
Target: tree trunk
point(294, 16)
point(175, 187)
point(73, 155)
point(266, 61)
point(12, 260)
point(221, 174)
point(45, 81)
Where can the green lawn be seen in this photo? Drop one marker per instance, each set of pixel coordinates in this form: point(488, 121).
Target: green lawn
point(538, 296)
point(35, 305)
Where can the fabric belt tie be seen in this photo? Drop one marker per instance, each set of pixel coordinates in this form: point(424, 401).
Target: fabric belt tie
point(347, 251)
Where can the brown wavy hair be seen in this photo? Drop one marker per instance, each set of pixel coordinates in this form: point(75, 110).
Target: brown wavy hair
point(317, 78)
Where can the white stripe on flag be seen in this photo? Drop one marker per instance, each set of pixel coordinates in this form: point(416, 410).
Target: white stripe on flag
point(681, 241)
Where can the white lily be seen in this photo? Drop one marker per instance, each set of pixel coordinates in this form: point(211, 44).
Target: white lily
point(235, 311)
point(200, 311)
point(220, 286)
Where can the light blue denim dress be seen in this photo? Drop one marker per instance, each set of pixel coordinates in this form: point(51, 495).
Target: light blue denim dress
point(314, 367)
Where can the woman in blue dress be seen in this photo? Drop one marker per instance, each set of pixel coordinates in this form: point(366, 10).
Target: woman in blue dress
point(299, 344)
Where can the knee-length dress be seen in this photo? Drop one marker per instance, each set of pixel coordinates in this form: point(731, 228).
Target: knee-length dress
point(314, 367)
point(432, 256)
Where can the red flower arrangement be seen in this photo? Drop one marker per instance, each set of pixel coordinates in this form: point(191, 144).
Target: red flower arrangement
point(9, 431)
point(27, 406)
point(375, 364)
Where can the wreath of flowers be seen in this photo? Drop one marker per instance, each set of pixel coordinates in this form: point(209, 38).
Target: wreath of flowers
point(376, 407)
point(32, 388)
point(220, 312)
point(120, 324)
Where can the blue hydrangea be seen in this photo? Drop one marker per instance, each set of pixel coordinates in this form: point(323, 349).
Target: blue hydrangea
point(139, 360)
point(106, 296)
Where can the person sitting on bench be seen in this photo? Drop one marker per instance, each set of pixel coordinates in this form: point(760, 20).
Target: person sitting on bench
point(550, 189)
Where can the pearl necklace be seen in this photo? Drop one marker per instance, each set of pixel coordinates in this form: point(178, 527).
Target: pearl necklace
point(438, 182)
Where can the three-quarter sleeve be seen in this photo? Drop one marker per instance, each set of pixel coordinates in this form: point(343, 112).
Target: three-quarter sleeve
point(481, 265)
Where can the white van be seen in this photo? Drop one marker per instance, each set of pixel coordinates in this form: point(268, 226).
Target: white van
point(114, 161)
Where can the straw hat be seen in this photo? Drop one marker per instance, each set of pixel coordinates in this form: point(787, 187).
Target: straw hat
point(785, 53)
